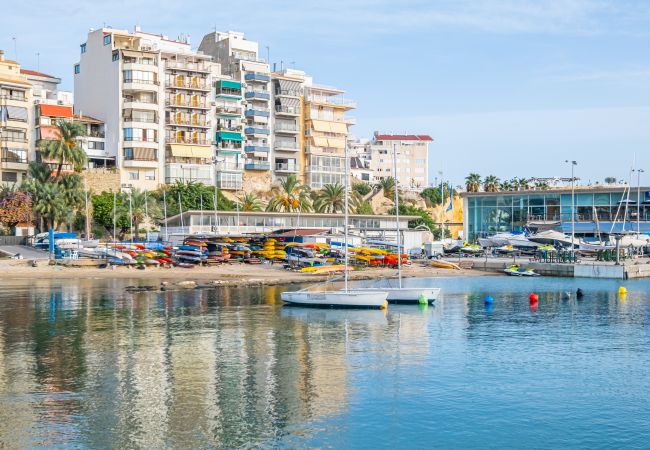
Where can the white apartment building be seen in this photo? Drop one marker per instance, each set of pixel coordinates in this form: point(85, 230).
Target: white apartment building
point(239, 59)
point(156, 98)
point(412, 168)
point(288, 125)
point(360, 154)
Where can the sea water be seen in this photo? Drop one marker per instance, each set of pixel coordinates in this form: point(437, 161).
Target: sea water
point(85, 364)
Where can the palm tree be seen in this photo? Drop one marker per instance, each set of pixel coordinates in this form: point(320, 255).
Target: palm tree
point(289, 196)
point(506, 185)
point(473, 182)
point(330, 199)
point(65, 149)
point(250, 202)
point(491, 183)
point(388, 185)
point(541, 185)
point(50, 204)
point(521, 184)
point(143, 206)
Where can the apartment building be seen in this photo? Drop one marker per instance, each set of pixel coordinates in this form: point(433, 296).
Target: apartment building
point(412, 150)
point(155, 96)
point(288, 125)
point(239, 59)
point(15, 122)
point(326, 131)
point(359, 151)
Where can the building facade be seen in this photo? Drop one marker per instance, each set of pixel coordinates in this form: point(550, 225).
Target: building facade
point(412, 150)
point(288, 124)
point(15, 122)
point(600, 209)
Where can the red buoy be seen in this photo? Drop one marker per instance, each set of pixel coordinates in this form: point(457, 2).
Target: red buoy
point(533, 297)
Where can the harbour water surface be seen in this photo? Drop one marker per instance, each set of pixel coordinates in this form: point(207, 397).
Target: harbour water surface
point(87, 365)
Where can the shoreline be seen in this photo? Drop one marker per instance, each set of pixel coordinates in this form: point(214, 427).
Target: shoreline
point(237, 274)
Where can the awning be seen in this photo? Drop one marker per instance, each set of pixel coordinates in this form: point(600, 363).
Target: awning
point(144, 154)
point(320, 141)
point(55, 110)
point(16, 113)
point(230, 84)
point(289, 102)
point(339, 128)
point(190, 151)
point(228, 136)
point(321, 125)
point(336, 143)
point(289, 85)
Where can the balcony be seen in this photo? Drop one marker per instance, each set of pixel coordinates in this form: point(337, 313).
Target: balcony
point(257, 148)
point(229, 136)
point(194, 85)
point(187, 67)
point(287, 146)
point(227, 166)
point(187, 103)
point(287, 93)
point(226, 147)
point(287, 111)
point(131, 119)
point(16, 157)
point(285, 167)
point(228, 110)
point(284, 128)
point(97, 134)
point(257, 95)
point(257, 165)
point(331, 100)
point(229, 185)
point(132, 84)
point(181, 140)
point(254, 130)
point(257, 77)
point(257, 113)
point(17, 98)
point(187, 122)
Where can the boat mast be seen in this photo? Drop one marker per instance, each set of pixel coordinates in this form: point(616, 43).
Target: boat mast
point(345, 208)
point(399, 238)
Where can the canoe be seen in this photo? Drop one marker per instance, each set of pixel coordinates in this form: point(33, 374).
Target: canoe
point(439, 263)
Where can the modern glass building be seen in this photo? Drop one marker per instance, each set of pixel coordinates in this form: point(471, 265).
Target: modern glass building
point(597, 209)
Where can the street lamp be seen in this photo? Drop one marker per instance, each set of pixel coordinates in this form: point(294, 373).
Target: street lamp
point(573, 204)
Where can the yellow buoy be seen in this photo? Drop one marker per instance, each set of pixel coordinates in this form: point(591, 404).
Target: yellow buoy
point(622, 291)
point(385, 305)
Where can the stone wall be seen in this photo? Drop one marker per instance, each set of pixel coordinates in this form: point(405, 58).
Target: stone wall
point(258, 182)
point(100, 180)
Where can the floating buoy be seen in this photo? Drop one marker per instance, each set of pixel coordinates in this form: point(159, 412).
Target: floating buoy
point(422, 300)
point(488, 299)
point(533, 306)
point(489, 307)
point(579, 293)
point(566, 295)
point(533, 297)
point(622, 291)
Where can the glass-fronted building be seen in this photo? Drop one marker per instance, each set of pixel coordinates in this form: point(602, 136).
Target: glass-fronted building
point(597, 209)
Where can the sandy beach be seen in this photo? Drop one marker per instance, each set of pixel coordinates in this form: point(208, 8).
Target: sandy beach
point(227, 274)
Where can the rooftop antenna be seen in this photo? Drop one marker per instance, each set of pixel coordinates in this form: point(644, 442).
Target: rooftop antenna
point(268, 55)
point(15, 48)
point(38, 62)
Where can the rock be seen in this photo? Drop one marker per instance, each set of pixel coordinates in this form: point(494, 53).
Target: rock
point(186, 284)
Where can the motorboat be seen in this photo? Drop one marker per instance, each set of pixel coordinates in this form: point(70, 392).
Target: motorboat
point(552, 237)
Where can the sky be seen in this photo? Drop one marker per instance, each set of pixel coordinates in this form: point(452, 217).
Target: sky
point(505, 87)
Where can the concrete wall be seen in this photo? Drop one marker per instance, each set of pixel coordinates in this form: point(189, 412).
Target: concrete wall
point(598, 271)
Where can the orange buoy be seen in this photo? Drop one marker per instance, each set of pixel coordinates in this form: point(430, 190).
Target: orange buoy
point(533, 297)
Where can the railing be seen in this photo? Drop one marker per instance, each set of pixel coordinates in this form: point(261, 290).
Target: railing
point(282, 127)
point(257, 94)
point(257, 112)
point(190, 122)
point(284, 145)
point(97, 134)
point(254, 130)
point(188, 85)
point(287, 110)
point(286, 167)
point(8, 158)
point(333, 100)
point(229, 184)
point(221, 146)
point(188, 104)
point(190, 67)
point(236, 129)
point(327, 169)
point(138, 81)
point(173, 140)
point(233, 167)
point(143, 61)
point(13, 97)
point(288, 92)
point(257, 165)
point(257, 77)
point(231, 92)
point(257, 148)
point(141, 119)
point(13, 139)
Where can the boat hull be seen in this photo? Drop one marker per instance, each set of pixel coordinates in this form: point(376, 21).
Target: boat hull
point(337, 299)
point(405, 295)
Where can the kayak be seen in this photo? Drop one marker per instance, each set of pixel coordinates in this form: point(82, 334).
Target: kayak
point(441, 264)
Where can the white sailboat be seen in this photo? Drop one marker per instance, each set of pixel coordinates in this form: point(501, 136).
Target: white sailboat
point(344, 298)
point(400, 294)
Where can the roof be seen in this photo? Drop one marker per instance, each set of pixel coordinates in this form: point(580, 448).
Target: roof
point(403, 137)
point(55, 110)
point(594, 189)
point(37, 74)
point(87, 119)
point(15, 81)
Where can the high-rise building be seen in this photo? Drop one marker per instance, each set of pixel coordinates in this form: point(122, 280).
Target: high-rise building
point(155, 96)
point(288, 124)
point(326, 131)
point(240, 60)
point(412, 158)
point(15, 122)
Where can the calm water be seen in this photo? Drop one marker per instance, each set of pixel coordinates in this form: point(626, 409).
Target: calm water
point(87, 365)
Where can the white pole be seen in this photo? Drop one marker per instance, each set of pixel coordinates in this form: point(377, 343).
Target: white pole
point(131, 216)
point(180, 209)
point(573, 207)
point(165, 212)
point(146, 209)
point(638, 201)
point(114, 216)
point(201, 200)
point(399, 238)
point(345, 215)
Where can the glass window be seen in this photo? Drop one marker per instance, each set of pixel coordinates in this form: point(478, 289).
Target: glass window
point(9, 177)
point(552, 200)
point(584, 199)
point(107, 39)
point(150, 175)
point(134, 175)
point(116, 56)
point(536, 200)
point(83, 47)
point(77, 68)
point(601, 199)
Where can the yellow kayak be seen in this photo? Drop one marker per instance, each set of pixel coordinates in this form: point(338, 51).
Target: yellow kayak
point(444, 264)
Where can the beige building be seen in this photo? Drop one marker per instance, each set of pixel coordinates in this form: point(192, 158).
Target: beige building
point(15, 122)
point(412, 169)
point(326, 131)
point(288, 126)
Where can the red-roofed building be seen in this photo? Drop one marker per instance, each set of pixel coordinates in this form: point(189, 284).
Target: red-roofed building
point(412, 157)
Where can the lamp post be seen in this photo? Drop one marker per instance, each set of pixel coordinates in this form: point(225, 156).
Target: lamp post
point(573, 204)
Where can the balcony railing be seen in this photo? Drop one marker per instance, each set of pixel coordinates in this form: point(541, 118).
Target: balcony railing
point(13, 139)
point(257, 148)
point(261, 77)
point(141, 119)
point(229, 92)
point(255, 130)
point(285, 145)
point(257, 112)
point(283, 167)
point(229, 166)
point(188, 84)
point(176, 140)
point(188, 122)
point(138, 81)
point(187, 104)
point(288, 128)
point(14, 157)
point(19, 98)
point(293, 111)
point(228, 109)
point(229, 184)
point(257, 94)
point(288, 92)
point(222, 145)
point(97, 134)
point(257, 165)
point(189, 67)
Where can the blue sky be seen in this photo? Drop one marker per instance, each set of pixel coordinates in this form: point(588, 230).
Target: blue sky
point(505, 87)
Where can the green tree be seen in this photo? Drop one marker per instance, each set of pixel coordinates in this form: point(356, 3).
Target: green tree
point(491, 183)
point(364, 208)
point(362, 188)
point(506, 185)
point(140, 205)
point(65, 149)
point(103, 211)
point(191, 194)
point(330, 199)
point(473, 182)
point(50, 204)
point(250, 202)
point(289, 195)
point(388, 185)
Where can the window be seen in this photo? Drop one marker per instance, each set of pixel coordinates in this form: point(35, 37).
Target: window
point(94, 145)
point(77, 68)
point(107, 39)
point(150, 175)
point(138, 76)
point(10, 177)
point(116, 56)
point(14, 155)
point(83, 47)
point(134, 175)
point(128, 134)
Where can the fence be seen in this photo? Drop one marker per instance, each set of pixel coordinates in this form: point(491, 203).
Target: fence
point(12, 240)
